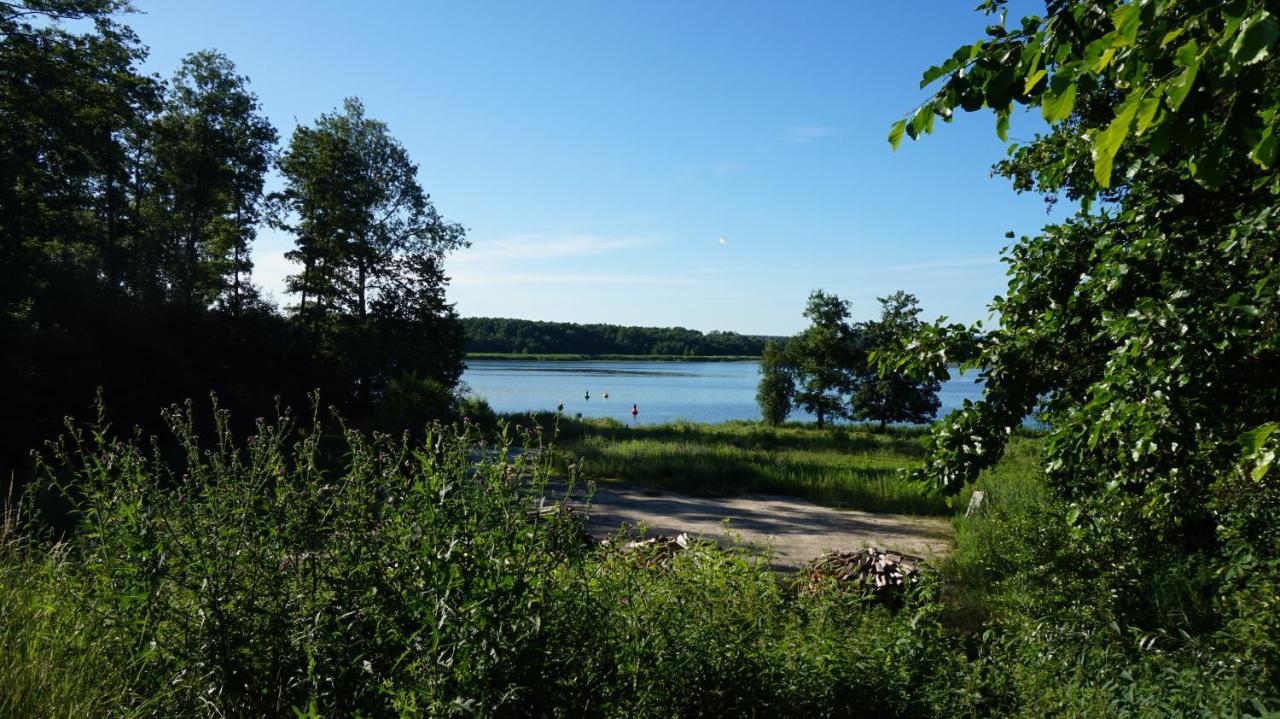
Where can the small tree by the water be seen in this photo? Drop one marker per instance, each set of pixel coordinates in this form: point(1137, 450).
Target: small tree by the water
point(887, 395)
point(777, 388)
point(822, 357)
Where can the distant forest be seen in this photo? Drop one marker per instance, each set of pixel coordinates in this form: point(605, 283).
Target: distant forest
point(500, 334)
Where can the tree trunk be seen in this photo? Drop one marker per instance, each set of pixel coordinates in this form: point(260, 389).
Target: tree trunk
point(819, 413)
point(235, 284)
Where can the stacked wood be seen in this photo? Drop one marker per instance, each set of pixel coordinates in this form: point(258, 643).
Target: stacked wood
point(885, 573)
point(656, 551)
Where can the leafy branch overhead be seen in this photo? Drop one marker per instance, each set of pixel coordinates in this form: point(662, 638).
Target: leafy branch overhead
point(1171, 72)
point(1144, 334)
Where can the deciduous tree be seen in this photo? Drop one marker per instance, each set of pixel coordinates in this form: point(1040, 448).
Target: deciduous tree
point(823, 356)
point(886, 394)
point(776, 391)
point(1145, 325)
point(371, 246)
point(212, 149)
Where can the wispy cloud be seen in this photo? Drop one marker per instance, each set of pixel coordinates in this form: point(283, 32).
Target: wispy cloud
point(728, 168)
point(807, 133)
point(540, 247)
point(508, 279)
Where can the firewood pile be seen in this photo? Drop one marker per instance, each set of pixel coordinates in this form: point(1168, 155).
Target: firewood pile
point(655, 551)
point(885, 573)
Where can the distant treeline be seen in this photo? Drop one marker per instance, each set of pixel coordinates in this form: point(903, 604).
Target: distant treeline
point(512, 336)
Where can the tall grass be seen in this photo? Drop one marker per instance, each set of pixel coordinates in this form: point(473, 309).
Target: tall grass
point(49, 664)
point(315, 571)
point(325, 572)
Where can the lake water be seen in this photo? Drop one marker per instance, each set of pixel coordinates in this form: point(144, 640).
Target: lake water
point(662, 391)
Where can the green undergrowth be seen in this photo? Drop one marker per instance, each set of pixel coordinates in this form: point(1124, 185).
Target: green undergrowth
point(314, 570)
point(323, 572)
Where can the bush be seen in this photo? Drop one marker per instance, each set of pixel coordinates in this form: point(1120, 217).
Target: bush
point(476, 411)
point(410, 403)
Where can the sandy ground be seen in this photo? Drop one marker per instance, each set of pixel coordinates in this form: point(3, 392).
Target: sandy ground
point(797, 529)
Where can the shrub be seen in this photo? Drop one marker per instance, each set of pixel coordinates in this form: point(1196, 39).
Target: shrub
point(410, 403)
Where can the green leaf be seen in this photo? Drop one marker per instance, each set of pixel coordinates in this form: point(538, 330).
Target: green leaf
point(895, 133)
point(1002, 124)
point(1147, 108)
point(1127, 19)
point(1060, 98)
point(1253, 440)
point(1257, 35)
point(1188, 54)
point(1032, 80)
point(1104, 60)
point(931, 74)
point(1264, 153)
point(922, 121)
point(1171, 36)
point(1176, 89)
point(1094, 51)
point(1108, 142)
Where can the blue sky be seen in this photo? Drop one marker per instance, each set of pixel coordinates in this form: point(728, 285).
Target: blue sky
point(598, 152)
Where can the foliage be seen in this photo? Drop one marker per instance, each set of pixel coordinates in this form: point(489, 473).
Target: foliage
point(372, 248)
point(49, 664)
point(777, 385)
point(340, 574)
point(885, 394)
point(824, 358)
point(410, 403)
point(1145, 330)
point(1051, 643)
point(333, 573)
point(212, 148)
point(512, 336)
point(127, 214)
point(830, 370)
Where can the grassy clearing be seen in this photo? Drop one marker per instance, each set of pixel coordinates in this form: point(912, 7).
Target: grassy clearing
point(847, 467)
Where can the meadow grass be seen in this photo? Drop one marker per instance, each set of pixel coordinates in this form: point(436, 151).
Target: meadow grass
point(850, 467)
point(49, 664)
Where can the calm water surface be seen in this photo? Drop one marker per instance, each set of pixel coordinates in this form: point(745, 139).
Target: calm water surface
point(662, 391)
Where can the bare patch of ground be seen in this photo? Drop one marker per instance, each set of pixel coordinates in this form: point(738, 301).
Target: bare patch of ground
point(797, 530)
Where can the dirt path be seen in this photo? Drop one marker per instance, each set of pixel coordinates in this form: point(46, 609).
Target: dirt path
point(798, 530)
